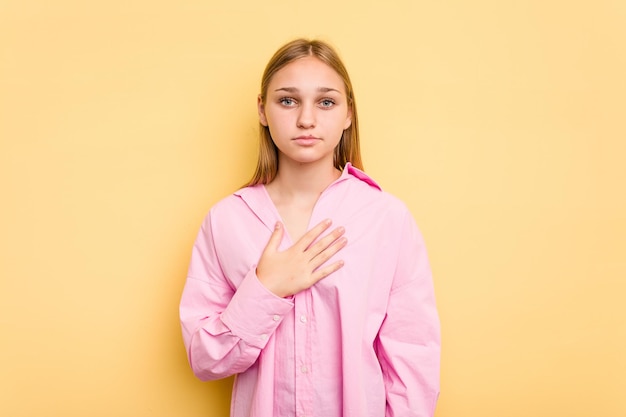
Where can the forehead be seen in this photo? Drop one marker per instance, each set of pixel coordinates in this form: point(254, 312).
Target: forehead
point(306, 73)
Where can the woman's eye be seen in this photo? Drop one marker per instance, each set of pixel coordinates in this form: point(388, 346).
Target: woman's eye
point(286, 101)
point(327, 103)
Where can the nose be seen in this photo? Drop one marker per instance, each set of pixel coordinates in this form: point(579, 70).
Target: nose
point(306, 117)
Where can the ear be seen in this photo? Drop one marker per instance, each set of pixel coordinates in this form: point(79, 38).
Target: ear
point(348, 119)
point(261, 108)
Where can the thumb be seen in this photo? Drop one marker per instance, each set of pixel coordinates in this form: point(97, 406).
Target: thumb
point(275, 238)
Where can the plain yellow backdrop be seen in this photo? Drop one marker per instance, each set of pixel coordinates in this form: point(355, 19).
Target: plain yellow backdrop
point(501, 124)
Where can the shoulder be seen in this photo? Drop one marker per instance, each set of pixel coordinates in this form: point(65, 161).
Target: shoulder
point(365, 190)
point(234, 203)
point(234, 208)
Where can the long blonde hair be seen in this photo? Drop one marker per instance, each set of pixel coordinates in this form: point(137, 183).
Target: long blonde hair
point(348, 149)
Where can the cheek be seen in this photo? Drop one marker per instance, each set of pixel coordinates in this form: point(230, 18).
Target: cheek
point(277, 118)
point(277, 126)
point(271, 122)
point(343, 121)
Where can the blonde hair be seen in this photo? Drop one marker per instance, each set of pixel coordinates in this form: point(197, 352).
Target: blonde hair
point(348, 149)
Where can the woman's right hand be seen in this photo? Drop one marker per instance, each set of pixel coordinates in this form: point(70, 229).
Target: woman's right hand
point(299, 267)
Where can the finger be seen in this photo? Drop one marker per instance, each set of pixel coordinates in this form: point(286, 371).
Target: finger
point(275, 238)
point(322, 273)
point(310, 236)
point(323, 243)
point(328, 252)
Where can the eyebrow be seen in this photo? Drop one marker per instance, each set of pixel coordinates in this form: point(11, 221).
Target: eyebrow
point(320, 89)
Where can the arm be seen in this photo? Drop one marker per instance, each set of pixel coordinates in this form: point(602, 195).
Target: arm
point(224, 329)
point(408, 344)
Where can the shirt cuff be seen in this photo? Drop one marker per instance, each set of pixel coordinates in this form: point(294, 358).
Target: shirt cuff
point(255, 312)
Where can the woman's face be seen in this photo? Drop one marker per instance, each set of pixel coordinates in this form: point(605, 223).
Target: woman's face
point(306, 110)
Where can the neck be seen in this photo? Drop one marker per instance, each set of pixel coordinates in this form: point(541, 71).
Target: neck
point(297, 179)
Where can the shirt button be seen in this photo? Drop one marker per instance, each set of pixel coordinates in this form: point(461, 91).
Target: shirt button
point(276, 317)
point(263, 337)
point(304, 369)
point(303, 319)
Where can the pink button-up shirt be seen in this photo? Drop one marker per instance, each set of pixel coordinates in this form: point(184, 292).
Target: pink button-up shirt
point(363, 341)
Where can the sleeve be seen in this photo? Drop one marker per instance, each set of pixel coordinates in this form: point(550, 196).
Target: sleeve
point(224, 329)
point(409, 340)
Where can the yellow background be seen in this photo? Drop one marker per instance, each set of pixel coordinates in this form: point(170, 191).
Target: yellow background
point(501, 124)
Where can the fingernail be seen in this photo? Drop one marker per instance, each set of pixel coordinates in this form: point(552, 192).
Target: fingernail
point(277, 226)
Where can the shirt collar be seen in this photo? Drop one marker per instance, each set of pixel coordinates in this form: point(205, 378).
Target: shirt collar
point(257, 198)
point(349, 170)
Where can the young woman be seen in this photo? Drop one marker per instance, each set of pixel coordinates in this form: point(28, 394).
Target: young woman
point(310, 283)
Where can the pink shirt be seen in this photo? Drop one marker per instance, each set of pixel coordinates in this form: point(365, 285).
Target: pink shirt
point(362, 342)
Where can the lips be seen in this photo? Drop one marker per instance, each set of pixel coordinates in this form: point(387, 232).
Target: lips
point(306, 140)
